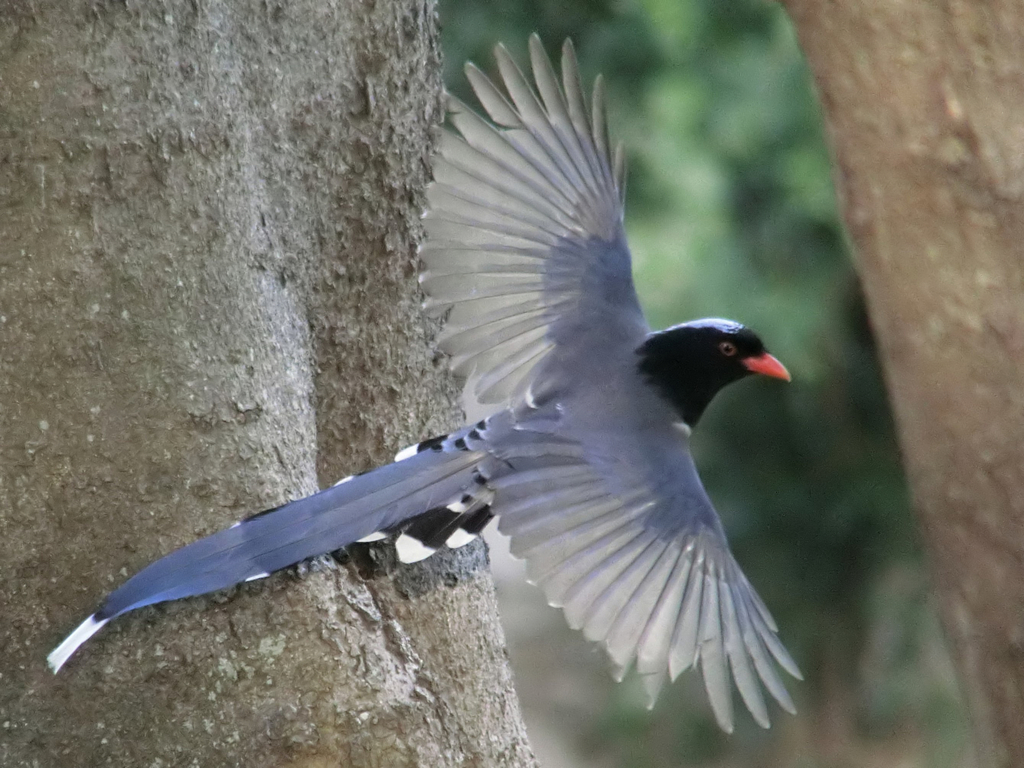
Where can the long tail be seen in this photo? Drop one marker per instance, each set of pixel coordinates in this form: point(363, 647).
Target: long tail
point(416, 494)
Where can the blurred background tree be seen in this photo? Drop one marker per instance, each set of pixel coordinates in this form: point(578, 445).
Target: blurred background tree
point(731, 212)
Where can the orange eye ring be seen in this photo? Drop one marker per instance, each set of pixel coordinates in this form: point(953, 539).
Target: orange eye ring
point(727, 348)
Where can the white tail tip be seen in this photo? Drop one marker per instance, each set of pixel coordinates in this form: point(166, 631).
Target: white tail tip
point(460, 538)
point(71, 643)
point(406, 453)
point(410, 550)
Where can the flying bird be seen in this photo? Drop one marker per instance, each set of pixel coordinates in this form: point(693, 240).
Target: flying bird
point(584, 457)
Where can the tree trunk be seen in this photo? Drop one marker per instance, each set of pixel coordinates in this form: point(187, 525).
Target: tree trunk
point(207, 303)
point(923, 103)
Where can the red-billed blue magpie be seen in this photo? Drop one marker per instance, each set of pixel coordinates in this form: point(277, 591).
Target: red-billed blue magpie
point(585, 457)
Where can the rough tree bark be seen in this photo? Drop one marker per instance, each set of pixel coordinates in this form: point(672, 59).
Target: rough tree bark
point(924, 103)
point(207, 303)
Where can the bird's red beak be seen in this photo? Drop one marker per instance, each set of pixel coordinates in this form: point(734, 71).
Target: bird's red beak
point(767, 365)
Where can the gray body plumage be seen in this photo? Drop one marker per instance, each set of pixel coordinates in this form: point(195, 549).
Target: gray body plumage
point(584, 463)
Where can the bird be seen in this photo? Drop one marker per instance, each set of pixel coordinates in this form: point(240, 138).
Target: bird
point(583, 453)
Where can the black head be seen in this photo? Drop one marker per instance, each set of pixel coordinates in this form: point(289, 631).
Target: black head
point(690, 363)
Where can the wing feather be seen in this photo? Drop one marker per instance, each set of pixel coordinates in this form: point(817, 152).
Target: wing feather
point(711, 652)
point(535, 118)
point(738, 659)
point(588, 587)
point(578, 583)
point(683, 652)
point(605, 609)
point(482, 169)
point(762, 662)
point(525, 210)
point(655, 643)
point(624, 637)
point(555, 104)
point(516, 132)
point(492, 146)
point(639, 569)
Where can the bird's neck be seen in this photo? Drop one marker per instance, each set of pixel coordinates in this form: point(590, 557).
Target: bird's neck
point(687, 385)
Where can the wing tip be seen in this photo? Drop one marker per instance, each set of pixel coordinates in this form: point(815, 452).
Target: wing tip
point(536, 45)
point(790, 666)
point(501, 50)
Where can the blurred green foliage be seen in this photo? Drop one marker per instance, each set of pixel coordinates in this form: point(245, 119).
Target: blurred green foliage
point(731, 212)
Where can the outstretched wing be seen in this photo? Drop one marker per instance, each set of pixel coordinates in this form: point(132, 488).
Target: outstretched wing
point(524, 242)
point(630, 547)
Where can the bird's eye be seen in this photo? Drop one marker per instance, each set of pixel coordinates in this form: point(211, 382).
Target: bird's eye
point(727, 348)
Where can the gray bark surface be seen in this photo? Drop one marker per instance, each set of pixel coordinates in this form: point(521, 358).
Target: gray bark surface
point(924, 109)
point(208, 306)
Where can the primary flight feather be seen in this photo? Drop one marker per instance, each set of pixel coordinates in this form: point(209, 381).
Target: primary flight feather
point(584, 458)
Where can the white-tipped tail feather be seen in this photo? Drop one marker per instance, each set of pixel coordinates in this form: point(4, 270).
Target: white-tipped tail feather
point(380, 500)
point(71, 643)
point(458, 507)
point(405, 453)
point(412, 551)
point(459, 539)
